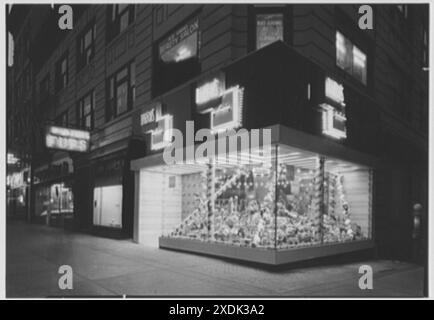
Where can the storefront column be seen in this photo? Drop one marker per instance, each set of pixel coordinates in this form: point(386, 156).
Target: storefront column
point(136, 206)
point(211, 197)
point(319, 195)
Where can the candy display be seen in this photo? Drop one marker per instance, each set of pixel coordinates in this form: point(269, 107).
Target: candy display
point(255, 206)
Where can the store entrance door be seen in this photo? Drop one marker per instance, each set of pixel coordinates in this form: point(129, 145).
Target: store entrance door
point(160, 206)
point(107, 206)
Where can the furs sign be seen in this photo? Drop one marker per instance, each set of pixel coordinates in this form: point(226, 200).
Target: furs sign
point(67, 139)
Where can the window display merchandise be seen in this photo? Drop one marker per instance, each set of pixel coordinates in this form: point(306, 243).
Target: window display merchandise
point(54, 200)
point(297, 199)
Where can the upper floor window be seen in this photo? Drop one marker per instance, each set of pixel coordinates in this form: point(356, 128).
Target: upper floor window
point(62, 72)
point(268, 24)
point(85, 111)
point(62, 119)
point(86, 46)
point(44, 88)
point(177, 57)
point(121, 91)
point(119, 17)
point(351, 58)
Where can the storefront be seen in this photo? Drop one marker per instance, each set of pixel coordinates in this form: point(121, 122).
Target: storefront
point(17, 191)
point(54, 200)
point(107, 194)
point(104, 189)
point(310, 196)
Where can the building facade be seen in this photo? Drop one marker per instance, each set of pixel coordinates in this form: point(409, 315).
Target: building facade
point(328, 90)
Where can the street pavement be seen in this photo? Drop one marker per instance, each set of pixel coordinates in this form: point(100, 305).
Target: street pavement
point(107, 267)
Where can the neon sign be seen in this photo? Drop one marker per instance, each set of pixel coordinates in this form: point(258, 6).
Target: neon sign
point(12, 159)
point(209, 91)
point(67, 139)
point(228, 115)
point(333, 111)
point(334, 91)
point(333, 122)
point(161, 135)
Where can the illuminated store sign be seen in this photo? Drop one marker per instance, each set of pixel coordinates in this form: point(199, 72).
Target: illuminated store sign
point(334, 91)
point(182, 44)
point(229, 114)
point(161, 134)
point(269, 28)
point(333, 117)
point(67, 139)
point(16, 180)
point(12, 159)
point(209, 93)
point(224, 105)
point(333, 122)
point(147, 117)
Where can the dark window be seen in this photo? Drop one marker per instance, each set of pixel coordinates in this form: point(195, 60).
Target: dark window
point(177, 57)
point(62, 120)
point(351, 58)
point(86, 46)
point(119, 17)
point(121, 91)
point(62, 72)
point(85, 112)
point(44, 88)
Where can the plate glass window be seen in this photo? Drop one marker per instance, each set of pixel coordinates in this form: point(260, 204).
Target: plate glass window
point(269, 28)
point(119, 17)
point(351, 58)
point(121, 91)
point(86, 49)
point(62, 72)
point(177, 57)
point(85, 112)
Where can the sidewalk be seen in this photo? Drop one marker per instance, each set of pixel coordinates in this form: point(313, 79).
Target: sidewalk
point(105, 267)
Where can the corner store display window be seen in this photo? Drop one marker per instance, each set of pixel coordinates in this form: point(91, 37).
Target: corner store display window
point(293, 200)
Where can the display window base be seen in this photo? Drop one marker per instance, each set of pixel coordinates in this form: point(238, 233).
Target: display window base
point(262, 255)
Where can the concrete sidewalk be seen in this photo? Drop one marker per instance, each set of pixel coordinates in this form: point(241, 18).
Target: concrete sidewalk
point(105, 267)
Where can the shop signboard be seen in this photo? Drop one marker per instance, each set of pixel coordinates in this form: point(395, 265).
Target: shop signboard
point(269, 28)
point(159, 126)
point(182, 44)
point(67, 139)
point(223, 105)
point(333, 110)
point(17, 179)
point(228, 115)
point(12, 159)
point(209, 93)
point(161, 136)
